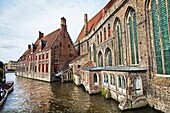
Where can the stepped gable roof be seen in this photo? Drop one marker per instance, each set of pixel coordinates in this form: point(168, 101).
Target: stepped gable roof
point(95, 20)
point(49, 39)
point(25, 54)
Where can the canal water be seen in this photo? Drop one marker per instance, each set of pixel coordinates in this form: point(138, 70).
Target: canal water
point(31, 96)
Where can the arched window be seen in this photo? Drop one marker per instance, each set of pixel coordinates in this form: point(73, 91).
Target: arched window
point(133, 37)
point(95, 78)
point(100, 59)
point(105, 78)
point(104, 33)
point(69, 75)
point(161, 22)
point(108, 57)
point(119, 37)
point(94, 52)
point(121, 82)
point(112, 79)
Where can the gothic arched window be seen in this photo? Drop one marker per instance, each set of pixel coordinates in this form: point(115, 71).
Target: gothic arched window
point(161, 21)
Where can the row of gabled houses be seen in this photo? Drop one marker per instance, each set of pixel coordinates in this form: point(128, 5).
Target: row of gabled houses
point(118, 52)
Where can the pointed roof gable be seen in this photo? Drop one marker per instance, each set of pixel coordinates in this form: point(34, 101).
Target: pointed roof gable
point(95, 20)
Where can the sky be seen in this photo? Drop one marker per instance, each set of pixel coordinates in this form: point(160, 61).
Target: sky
point(20, 21)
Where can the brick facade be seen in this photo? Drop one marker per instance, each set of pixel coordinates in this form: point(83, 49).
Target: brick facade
point(49, 55)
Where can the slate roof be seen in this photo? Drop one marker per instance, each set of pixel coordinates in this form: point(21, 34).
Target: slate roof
point(125, 68)
point(95, 20)
point(115, 68)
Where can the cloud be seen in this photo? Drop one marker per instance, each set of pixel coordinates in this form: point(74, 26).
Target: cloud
point(21, 20)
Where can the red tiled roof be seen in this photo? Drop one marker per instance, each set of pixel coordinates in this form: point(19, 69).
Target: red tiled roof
point(95, 20)
point(88, 64)
point(49, 38)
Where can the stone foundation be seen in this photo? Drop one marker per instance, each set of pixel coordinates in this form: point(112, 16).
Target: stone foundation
point(159, 98)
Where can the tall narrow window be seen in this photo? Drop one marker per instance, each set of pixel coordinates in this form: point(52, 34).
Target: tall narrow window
point(94, 52)
point(100, 36)
point(39, 67)
point(160, 16)
point(97, 39)
point(119, 37)
point(95, 78)
point(108, 57)
point(133, 37)
point(109, 30)
point(46, 55)
point(42, 67)
point(104, 33)
point(100, 59)
point(105, 78)
point(46, 68)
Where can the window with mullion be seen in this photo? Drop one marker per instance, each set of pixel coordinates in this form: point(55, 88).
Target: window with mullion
point(133, 37)
point(160, 15)
point(119, 42)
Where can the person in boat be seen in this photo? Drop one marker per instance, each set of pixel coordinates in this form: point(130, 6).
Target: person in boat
point(2, 74)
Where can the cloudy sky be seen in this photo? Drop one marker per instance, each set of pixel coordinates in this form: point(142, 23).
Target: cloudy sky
point(20, 21)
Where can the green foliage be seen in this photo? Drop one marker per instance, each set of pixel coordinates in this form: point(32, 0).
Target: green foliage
point(103, 92)
point(1, 70)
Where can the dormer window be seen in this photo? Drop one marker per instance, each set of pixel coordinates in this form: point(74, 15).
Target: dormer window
point(68, 45)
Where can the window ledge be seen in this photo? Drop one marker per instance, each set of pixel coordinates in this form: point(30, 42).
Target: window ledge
point(162, 75)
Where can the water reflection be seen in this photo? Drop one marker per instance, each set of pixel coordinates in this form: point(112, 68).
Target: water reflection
point(32, 96)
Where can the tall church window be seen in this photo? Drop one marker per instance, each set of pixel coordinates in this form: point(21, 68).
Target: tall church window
point(133, 37)
point(161, 22)
point(119, 36)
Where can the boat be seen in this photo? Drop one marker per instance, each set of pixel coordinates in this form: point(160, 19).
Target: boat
point(9, 86)
point(2, 74)
point(3, 96)
point(5, 87)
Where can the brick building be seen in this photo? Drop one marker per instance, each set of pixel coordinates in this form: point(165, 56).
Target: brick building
point(48, 56)
point(130, 40)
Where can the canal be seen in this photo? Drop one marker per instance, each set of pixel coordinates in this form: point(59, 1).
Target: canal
point(31, 96)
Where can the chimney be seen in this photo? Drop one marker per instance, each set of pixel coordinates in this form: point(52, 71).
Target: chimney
point(85, 25)
point(41, 34)
point(63, 24)
point(29, 46)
